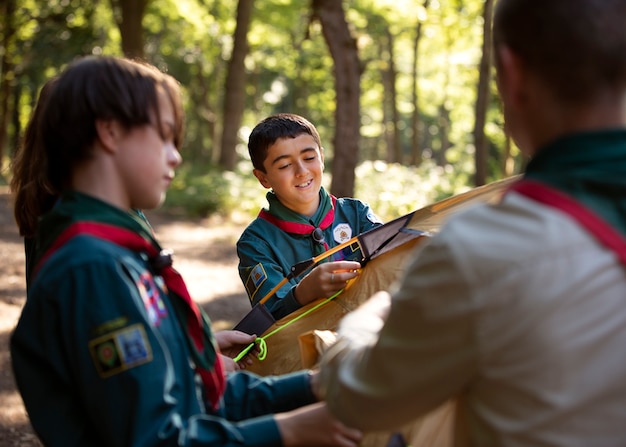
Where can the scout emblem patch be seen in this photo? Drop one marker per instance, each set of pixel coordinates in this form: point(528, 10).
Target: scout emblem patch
point(256, 277)
point(120, 350)
point(342, 233)
point(151, 298)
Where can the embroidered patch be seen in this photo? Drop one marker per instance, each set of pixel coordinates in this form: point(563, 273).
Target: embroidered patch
point(256, 277)
point(120, 350)
point(373, 217)
point(151, 298)
point(347, 253)
point(342, 232)
point(352, 248)
point(110, 326)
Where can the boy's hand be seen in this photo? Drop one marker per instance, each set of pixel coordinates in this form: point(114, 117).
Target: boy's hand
point(325, 280)
point(231, 343)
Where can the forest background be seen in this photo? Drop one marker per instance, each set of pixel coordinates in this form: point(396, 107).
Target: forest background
point(401, 91)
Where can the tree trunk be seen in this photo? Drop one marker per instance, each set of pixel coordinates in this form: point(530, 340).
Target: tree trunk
point(508, 162)
point(482, 99)
point(6, 71)
point(347, 71)
point(207, 118)
point(234, 93)
point(128, 16)
point(390, 109)
point(416, 149)
point(441, 156)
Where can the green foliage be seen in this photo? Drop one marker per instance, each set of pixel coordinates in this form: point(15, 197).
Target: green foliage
point(201, 191)
point(289, 70)
point(392, 190)
point(197, 191)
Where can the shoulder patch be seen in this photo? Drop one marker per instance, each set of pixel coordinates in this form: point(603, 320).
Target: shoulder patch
point(120, 350)
point(342, 232)
point(256, 277)
point(372, 217)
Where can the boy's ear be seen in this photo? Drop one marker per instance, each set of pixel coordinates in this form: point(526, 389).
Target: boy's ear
point(511, 77)
point(107, 132)
point(262, 178)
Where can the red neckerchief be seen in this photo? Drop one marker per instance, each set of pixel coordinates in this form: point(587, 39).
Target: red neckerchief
point(301, 228)
point(213, 379)
point(548, 195)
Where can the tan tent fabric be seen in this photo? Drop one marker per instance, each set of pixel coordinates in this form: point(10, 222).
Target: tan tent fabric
point(296, 341)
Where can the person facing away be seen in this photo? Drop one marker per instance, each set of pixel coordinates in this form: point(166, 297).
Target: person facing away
point(517, 310)
point(302, 221)
point(110, 350)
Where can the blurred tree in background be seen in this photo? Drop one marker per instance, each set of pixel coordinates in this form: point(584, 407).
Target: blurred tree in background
point(398, 88)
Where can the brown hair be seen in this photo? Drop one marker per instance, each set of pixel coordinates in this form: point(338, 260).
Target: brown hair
point(274, 127)
point(101, 88)
point(32, 191)
point(577, 46)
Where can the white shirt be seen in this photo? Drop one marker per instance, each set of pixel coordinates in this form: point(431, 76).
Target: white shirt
point(515, 310)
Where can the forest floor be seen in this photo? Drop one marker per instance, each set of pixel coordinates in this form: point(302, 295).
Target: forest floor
point(204, 254)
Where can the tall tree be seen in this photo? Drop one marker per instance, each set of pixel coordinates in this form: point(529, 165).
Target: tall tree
point(6, 69)
point(441, 155)
point(416, 150)
point(390, 101)
point(482, 98)
point(234, 92)
point(129, 16)
point(347, 72)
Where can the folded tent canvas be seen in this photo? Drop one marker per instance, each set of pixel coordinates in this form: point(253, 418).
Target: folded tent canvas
point(372, 244)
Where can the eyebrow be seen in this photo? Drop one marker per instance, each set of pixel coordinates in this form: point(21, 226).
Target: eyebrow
point(303, 151)
point(167, 126)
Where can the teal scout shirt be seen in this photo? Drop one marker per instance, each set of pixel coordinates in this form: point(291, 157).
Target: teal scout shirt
point(266, 253)
point(589, 166)
point(100, 359)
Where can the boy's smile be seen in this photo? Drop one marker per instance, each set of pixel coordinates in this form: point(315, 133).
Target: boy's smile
point(293, 170)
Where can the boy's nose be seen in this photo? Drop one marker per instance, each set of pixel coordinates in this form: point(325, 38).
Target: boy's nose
point(300, 168)
point(174, 158)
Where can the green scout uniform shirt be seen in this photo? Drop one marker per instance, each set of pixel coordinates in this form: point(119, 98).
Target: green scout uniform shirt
point(589, 166)
point(267, 253)
point(100, 358)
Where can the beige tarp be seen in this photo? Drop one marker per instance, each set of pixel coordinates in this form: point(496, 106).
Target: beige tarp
point(297, 341)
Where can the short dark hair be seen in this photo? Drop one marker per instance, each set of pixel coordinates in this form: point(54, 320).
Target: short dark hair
point(577, 46)
point(101, 88)
point(274, 127)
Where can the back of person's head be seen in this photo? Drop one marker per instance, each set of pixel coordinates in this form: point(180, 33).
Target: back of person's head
point(33, 193)
point(578, 47)
point(101, 88)
point(273, 128)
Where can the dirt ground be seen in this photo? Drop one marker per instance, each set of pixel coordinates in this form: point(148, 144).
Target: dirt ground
point(204, 253)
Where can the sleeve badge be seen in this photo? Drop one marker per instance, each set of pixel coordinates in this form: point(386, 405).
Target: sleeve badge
point(121, 350)
point(256, 277)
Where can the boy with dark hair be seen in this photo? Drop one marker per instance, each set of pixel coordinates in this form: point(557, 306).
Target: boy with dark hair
point(302, 220)
point(517, 309)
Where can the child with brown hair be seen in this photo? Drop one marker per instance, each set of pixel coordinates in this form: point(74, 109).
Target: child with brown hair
point(110, 349)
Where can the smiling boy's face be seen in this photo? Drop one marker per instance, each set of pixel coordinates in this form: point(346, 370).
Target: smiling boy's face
point(294, 170)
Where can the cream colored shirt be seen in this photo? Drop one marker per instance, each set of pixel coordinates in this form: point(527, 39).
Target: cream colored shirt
point(514, 309)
